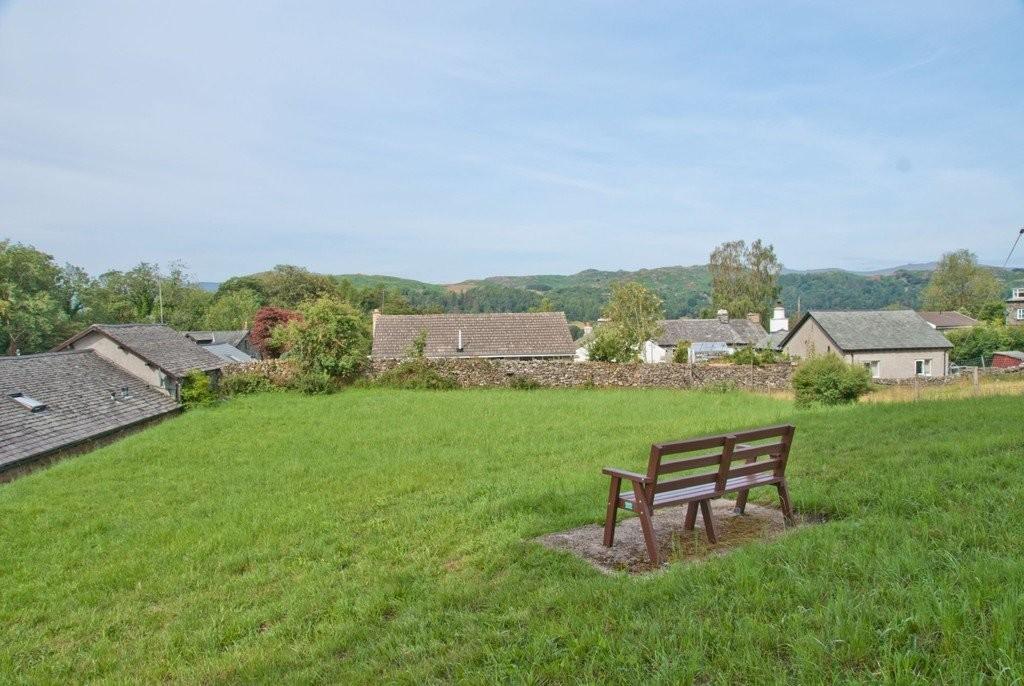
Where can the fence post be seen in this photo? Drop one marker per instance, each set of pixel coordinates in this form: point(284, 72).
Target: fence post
point(976, 382)
point(917, 387)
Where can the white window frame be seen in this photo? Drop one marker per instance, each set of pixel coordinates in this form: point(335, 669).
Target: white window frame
point(1018, 292)
point(873, 368)
point(924, 365)
point(1020, 313)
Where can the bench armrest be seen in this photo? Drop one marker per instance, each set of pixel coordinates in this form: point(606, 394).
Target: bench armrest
point(623, 474)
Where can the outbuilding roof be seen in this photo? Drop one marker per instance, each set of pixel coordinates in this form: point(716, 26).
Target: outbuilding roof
point(79, 396)
point(875, 330)
point(1015, 354)
point(511, 334)
point(235, 337)
point(948, 319)
point(731, 331)
point(157, 344)
point(228, 353)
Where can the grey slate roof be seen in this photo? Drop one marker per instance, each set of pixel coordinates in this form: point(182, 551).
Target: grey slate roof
point(228, 353)
point(514, 334)
point(732, 332)
point(234, 338)
point(876, 330)
point(772, 341)
point(75, 386)
point(157, 344)
point(948, 320)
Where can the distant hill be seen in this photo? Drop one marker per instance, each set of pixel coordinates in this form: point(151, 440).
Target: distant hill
point(685, 290)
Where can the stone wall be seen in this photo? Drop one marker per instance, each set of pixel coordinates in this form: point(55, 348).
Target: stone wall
point(471, 373)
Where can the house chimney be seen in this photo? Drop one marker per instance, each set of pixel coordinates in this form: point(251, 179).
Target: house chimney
point(754, 317)
point(587, 329)
point(779, 320)
point(460, 348)
point(376, 316)
point(723, 316)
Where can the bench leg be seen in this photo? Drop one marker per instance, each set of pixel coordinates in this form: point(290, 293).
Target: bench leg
point(612, 514)
point(691, 517)
point(709, 527)
point(741, 502)
point(648, 528)
point(787, 507)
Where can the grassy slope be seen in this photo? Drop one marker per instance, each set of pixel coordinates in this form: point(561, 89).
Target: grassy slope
point(382, 535)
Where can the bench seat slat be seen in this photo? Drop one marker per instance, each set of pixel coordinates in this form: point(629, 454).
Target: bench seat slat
point(702, 492)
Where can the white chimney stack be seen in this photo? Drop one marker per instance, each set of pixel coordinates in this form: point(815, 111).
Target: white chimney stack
point(460, 341)
point(723, 316)
point(376, 316)
point(779, 320)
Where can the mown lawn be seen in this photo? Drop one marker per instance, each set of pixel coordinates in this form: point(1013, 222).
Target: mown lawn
point(384, 536)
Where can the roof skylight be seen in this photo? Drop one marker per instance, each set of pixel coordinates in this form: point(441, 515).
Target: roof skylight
point(31, 404)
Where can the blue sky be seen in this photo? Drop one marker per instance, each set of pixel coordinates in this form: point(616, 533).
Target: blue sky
point(445, 141)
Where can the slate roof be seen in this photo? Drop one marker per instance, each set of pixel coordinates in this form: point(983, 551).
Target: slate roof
point(948, 320)
point(875, 330)
point(772, 341)
point(157, 344)
point(75, 386)
point(234, 338)
point(1015, 354)
point(228, 353)
point(514, 334)
point(731, 332)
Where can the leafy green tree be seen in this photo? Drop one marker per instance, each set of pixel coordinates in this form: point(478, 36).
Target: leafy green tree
point(744, 278)
point(232, 310)
point(634, 312)
point(545, 305)
point(682, 352)
point(332, 339)
point(960, 283)
point(609, 345)
point(975, 346)
point(30, 312)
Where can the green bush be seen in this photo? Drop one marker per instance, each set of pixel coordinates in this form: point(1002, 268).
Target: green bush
point(682, 352)
point(314, 383)
point(749, 355)
point(332, 339)
point(415, 373)
point(828, 380)
point(609, 345)
point(196, 390)
point(245, 383)
point(522, 383)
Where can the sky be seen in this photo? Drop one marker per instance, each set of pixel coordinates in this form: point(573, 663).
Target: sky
point(444, 141)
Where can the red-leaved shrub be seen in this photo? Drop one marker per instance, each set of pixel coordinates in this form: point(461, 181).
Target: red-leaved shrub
point(263, 324)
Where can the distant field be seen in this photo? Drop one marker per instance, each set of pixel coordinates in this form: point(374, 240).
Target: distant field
point(384, 536)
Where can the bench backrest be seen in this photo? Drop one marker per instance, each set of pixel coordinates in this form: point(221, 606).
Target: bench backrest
point(673, 465)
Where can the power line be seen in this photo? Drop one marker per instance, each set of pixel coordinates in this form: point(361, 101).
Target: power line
point(1015, 242)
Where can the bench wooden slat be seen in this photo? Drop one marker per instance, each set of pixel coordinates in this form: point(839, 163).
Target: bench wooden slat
point(757, 451)
point(689, 463)
point(754, 468)
point(689, 445)
point(764, 432)
point(685, 482)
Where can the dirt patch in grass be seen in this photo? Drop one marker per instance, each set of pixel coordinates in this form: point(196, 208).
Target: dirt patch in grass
point(760, 523)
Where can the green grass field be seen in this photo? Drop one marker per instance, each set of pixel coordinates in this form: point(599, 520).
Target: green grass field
point(384, 536)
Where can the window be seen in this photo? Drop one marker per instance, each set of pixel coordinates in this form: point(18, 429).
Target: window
point(872, 367)
point(31, 404)
point(1020, 313)
point(923, 367)
point(1018, 292)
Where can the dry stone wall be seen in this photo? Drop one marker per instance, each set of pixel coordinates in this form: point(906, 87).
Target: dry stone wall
point(470, 373)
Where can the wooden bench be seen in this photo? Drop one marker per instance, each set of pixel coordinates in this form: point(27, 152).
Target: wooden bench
point(652, 491)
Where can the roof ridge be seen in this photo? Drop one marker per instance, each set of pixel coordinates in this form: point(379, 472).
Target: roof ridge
point(48, 353)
